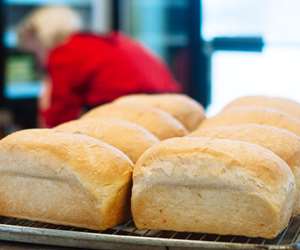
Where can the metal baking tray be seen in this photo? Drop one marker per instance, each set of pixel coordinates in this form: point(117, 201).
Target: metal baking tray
point(127, 237)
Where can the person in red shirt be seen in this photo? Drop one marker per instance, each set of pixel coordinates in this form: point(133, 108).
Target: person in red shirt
point(86, 69)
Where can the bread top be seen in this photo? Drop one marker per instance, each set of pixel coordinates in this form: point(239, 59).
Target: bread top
point(95, 163)
point(241, 165)
point(281, 104)
point(129, 137)
point(280, 141)
point(263, 116)
point(189, 112)
point(158, 122)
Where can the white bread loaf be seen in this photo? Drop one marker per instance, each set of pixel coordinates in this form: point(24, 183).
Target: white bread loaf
point(186, 110)
point(283, 143)
point(64, 178)
point(129, 137)
point(213, 186)
point(278, 103)
point(158, 122)
point(263, 116)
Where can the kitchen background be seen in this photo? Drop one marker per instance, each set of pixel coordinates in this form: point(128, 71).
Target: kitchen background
point(217, 49)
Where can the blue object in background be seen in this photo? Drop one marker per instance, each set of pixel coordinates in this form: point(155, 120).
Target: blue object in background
point(10, 39)
point(47, 2)
point(23, 90)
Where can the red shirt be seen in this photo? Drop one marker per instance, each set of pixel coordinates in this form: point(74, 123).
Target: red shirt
point(89, 70)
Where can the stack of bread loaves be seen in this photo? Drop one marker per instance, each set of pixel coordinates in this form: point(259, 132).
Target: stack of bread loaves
point(238, 173)
point(80, 173)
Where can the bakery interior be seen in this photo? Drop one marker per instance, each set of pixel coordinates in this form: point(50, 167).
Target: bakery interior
point(231, 53)
point(213, 165)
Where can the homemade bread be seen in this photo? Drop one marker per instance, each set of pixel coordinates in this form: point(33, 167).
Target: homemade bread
point(129, 137)
point(282, 104)
point(280, 141)
point(158, 122)
point(263, 116)
point(212, 186)
point(64, 178)
point(186, 110)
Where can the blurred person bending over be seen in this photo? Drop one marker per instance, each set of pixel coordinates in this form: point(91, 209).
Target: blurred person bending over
point(85, 69)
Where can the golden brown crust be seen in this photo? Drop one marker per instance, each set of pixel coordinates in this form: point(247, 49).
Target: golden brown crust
point(129, 137)
point(280, 141)
point(65, 178)
point(230, 151)
point(186, 110)
point(263, 116)
point(181, 183)
point(158, 122)
point(281, 104)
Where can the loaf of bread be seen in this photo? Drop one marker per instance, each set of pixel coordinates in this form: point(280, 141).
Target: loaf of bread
point(263, 116)
point(186, 110)
point(158, 122)
point(283, 143)
point(278, 103)
point(214, 186)
point(64, 178)
point(129, 137)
